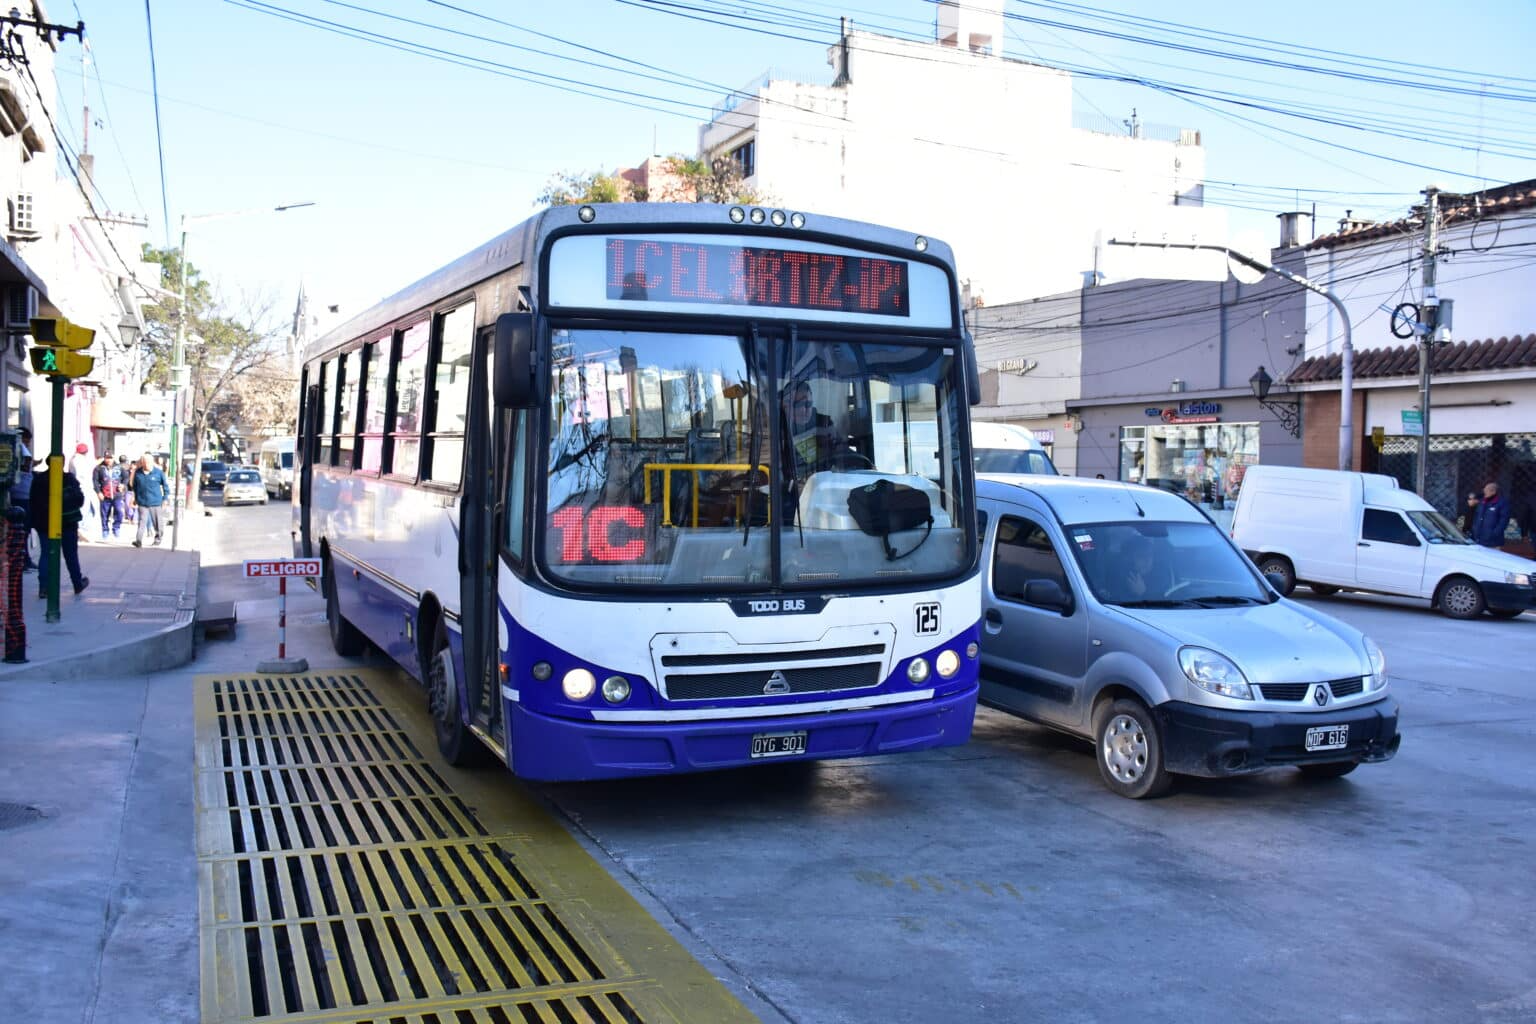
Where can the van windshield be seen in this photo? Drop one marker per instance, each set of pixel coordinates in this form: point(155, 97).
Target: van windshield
point(1013, 460)
point(1164, 565)
point(1437, 529)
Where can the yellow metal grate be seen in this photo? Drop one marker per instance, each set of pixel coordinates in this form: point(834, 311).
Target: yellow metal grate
point(344, 880)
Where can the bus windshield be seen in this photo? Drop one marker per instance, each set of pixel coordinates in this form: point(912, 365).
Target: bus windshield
point(676, 460)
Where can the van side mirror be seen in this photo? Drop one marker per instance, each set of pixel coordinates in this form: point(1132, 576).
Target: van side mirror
point(1048, 594)
point(514, 384)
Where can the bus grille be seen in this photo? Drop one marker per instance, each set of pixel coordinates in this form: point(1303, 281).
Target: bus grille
point(759, 682)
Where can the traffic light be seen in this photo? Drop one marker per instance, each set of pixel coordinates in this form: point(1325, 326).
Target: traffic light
point(60, 362)
point(56, 332)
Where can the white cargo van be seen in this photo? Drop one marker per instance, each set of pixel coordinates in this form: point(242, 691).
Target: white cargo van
point(1359, 531)
point(1007, 448)
point(996, 448)
point(276, 462)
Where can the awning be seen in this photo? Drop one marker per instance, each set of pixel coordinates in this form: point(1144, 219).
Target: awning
point(108, 415)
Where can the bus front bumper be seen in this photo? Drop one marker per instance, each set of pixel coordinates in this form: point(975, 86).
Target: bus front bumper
point(563, 749)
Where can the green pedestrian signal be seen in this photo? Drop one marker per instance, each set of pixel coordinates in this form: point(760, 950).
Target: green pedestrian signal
point(54, 362)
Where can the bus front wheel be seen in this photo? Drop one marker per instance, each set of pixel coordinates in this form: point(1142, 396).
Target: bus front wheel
point(455, 742)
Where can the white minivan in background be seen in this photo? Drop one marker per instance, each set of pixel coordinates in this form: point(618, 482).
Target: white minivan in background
point(1334, 531)
point(276, 463)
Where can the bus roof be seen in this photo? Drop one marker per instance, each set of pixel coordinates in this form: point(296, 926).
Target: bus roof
point(517, 245)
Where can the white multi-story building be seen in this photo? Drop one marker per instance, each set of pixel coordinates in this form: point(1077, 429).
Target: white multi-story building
point(62, 257)
point(952, 138)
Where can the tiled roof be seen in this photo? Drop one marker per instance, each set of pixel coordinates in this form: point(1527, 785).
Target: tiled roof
point(1403, 361)
point(1453, 209)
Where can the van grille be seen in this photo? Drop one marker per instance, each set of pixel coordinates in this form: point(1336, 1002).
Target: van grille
point(1298, 691)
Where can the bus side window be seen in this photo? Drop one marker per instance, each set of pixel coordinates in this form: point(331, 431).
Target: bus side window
point(409, 384)
point(517, 485)
point(450, 383)
point(325, 422)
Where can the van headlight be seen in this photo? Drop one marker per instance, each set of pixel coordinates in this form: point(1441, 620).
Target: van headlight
point(1377, 680)
point(1214, 673)
point(1519, 579)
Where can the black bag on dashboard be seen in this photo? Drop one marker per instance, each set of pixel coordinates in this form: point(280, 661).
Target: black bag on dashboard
point(883, 508)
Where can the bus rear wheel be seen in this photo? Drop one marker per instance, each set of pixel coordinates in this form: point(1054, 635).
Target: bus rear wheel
point(347, 640)
point(459, 747)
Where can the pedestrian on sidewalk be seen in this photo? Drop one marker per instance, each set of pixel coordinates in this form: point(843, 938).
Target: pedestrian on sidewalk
point(106, 481)
point(149, 492)
point(1469, 515)
point(126, 470)
point(69, 527)
point(80, 466)
point(21, 490)
point(1492, 518)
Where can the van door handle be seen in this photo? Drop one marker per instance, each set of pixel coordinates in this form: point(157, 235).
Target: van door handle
point(994, 621)
point(1363, 544)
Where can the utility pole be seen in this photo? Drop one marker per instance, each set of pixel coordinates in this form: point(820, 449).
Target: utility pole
point(1431, 318)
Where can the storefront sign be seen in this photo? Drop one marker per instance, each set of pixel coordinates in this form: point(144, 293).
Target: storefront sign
point(1187, 412)
point(1413, 422)
point(1045, 435)
point(1018, 365)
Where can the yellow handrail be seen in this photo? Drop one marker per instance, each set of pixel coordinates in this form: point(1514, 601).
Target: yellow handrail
point(666, 469)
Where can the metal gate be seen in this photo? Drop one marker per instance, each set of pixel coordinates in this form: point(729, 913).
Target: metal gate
point(1461, 464)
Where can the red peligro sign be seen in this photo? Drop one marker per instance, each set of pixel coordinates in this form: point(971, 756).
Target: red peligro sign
point(277, 567)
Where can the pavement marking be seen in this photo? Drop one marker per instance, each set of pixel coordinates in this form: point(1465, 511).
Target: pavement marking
point(343, 879)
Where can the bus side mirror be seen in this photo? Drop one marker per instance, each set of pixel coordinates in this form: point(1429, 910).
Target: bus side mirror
point(514, 361)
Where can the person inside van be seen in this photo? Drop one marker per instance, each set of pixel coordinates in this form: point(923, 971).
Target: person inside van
point(1144, 579)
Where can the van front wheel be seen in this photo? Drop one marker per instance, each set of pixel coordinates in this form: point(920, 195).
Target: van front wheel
point(1129, 749)
point(1461, 598)
point(1279, 565)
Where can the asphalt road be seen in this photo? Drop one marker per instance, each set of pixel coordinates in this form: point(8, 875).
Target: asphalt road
point(1001, 882)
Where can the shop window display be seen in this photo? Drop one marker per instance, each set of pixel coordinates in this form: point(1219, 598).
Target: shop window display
point(1204, 462)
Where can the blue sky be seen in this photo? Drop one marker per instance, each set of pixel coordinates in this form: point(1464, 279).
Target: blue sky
point(412, 161)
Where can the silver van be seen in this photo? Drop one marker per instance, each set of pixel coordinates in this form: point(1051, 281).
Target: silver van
point(1122, 614)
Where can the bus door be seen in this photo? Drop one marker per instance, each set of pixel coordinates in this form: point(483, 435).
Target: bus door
point(479, 527)
point(304, 459)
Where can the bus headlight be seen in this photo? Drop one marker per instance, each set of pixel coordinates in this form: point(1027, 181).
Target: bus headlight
point(917, 670)
point(947, 664)
point(578, 684)
point(542, 670)
point(615, 689)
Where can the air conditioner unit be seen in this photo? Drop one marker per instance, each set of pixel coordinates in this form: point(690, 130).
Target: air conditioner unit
point(20, 308)
point(23, 217)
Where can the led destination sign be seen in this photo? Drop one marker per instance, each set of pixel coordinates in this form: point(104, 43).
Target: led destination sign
point(666, 271)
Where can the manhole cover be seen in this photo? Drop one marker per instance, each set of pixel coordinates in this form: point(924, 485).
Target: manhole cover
point(17, 815)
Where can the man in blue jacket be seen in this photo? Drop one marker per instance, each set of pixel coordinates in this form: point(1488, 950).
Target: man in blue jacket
point(149, 492)
point(1491, 519)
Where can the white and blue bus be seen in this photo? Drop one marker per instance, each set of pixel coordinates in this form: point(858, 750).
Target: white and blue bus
point(609, 486)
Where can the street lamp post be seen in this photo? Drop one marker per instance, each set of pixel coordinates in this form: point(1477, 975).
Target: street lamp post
point(1347, 353)
point(179, 372)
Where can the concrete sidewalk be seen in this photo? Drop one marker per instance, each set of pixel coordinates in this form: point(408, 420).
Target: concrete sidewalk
point(136, 616)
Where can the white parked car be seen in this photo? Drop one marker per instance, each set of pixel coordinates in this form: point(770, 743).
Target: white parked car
point(244, 486)
point(1360, 531)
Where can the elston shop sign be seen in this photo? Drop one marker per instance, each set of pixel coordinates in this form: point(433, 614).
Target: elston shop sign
point(282, 567)
point(1187, 412)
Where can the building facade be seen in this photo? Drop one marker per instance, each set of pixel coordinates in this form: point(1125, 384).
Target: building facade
point(1482, 422)
point(953, 138)
point(63, 257)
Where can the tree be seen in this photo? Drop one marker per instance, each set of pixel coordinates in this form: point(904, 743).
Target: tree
point(683, 179)
point(566, 189)
point(226, 345)
point(706, 181)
